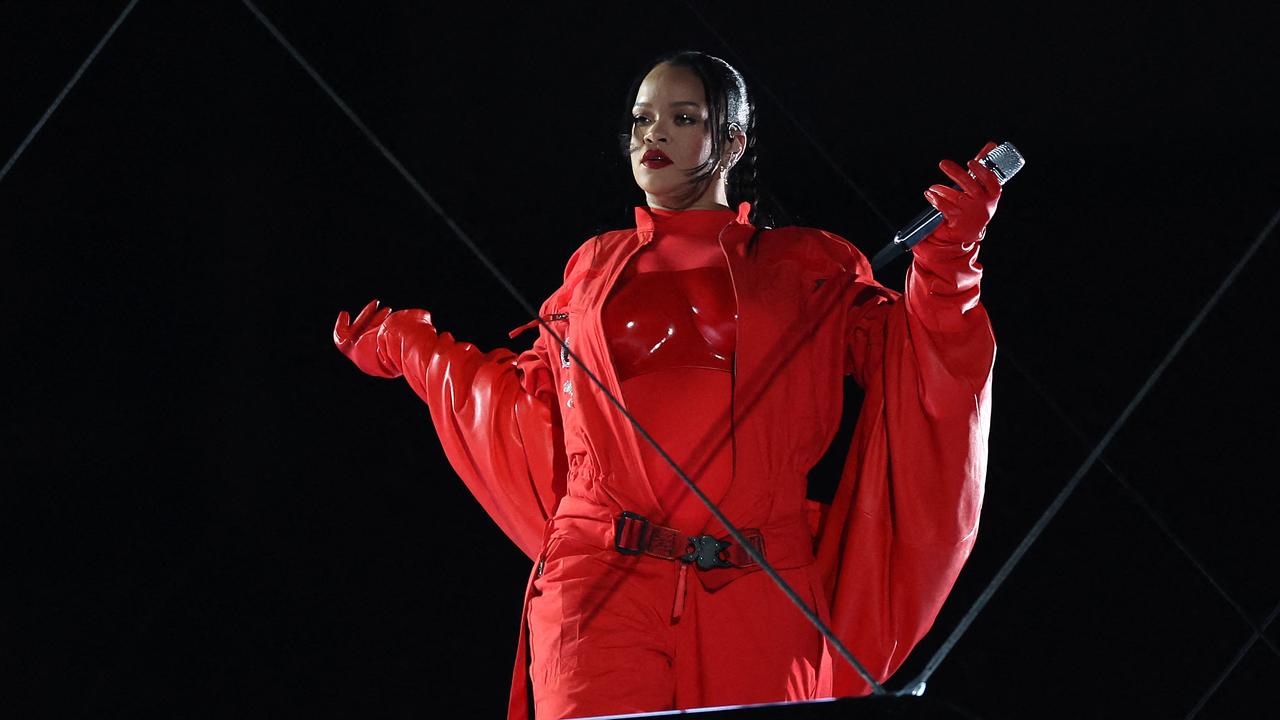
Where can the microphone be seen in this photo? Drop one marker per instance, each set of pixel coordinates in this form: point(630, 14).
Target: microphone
point(1005, 161)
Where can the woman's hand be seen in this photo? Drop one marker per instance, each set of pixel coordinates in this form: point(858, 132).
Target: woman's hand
point(968, 209)
point(359, 340)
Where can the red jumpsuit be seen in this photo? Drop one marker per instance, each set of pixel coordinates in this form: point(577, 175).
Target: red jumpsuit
point(553, 462)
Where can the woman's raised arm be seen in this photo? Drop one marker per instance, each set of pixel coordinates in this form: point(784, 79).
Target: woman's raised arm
point(905, 515)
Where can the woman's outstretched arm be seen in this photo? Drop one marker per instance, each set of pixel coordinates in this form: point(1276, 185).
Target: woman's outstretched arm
point(495, 413)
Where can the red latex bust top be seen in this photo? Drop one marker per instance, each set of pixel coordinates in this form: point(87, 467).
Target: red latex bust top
point(671, 326)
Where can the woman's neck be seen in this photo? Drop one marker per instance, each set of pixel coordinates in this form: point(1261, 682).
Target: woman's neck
point(695, 206)
point(715, 198)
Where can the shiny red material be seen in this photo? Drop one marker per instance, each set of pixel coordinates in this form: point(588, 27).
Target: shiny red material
point(968, 209)
point(671, 318)
point(671, 328)
point(552, 461)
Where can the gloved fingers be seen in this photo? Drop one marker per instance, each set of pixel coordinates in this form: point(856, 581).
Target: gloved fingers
point(989, 181)
point(342, 329)
point(949, 210)
point(951, 195)
point(961, 176)
point(363, 317)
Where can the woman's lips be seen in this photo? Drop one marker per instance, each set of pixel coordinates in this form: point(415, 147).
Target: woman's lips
point(656, 162)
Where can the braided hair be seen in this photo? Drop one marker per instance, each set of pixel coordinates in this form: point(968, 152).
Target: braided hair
point(728, 104)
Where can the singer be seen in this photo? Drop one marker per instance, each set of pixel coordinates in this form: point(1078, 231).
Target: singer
point(727, 342)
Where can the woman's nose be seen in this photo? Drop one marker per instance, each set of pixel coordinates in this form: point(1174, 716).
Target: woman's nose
point(655, 134)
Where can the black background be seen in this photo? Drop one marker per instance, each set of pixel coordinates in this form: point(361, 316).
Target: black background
point(215, 514)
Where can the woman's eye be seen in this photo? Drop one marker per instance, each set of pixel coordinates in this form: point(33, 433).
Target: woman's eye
point(680, 120)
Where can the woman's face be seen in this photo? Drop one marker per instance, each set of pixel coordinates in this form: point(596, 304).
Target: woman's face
point(670, 119)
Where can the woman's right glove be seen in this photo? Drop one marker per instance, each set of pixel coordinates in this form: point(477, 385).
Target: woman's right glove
point(371, 342)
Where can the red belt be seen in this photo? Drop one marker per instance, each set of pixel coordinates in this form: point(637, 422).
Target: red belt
point(634, 535)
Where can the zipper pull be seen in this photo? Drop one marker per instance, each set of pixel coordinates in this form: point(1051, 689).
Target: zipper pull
point(534, 323)
point(522, 328)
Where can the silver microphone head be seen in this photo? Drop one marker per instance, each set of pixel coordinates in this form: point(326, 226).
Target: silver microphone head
point(1005, 161)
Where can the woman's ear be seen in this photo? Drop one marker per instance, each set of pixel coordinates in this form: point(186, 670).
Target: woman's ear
point(737, 144)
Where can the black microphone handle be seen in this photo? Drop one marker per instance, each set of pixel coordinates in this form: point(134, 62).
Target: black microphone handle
point(915, 231)
point(1004, 161)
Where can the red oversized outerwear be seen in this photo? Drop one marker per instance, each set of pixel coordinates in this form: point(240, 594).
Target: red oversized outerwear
point(906, 509)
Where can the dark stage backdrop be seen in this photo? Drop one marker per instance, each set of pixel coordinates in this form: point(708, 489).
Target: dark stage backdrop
point(213, 513)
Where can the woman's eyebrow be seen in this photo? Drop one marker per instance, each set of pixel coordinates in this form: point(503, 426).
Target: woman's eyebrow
point(674, 104)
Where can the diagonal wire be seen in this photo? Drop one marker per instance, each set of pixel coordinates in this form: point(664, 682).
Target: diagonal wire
point(1258, 633)
point(1141, 501)
point(66, 89)
point(798, 125)
point(876, 688)
point(528, 308)
point(1074, 482)
point(1040, 390)
point(1235, 661)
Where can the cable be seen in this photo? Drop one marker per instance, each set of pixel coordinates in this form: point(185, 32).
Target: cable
point(1009, 357)
point(803, 131)
point(1071, 485)
point(66, 89)
point(1231, 666)
point(1141, 501)
point(1258, 633)
point(737, 534)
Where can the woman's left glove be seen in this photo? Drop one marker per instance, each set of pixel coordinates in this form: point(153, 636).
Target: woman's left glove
point(968, 209)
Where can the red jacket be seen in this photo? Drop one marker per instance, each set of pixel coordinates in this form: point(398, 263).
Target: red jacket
point(523, 430)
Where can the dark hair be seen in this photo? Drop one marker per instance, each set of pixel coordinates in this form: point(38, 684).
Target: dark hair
point(727, 102)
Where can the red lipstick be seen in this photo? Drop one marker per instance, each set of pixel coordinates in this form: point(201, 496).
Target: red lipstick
point(654, 159)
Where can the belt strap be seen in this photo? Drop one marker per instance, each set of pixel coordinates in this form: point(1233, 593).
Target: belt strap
point(635, 535)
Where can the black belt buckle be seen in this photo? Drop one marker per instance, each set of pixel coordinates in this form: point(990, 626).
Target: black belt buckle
point(706, 551)
point(620, 523)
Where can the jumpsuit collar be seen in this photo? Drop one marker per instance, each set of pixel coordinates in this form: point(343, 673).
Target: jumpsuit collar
point(647, 218)
point(678, 220)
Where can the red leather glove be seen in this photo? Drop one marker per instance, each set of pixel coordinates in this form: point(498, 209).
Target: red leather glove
point(370, 342)
point(943, 282)
point(969, 209)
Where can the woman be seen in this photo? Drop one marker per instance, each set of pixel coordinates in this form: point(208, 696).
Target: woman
point(727, 343)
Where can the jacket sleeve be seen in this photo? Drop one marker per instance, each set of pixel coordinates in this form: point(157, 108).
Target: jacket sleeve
point(905, 514)
point(497, 416)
